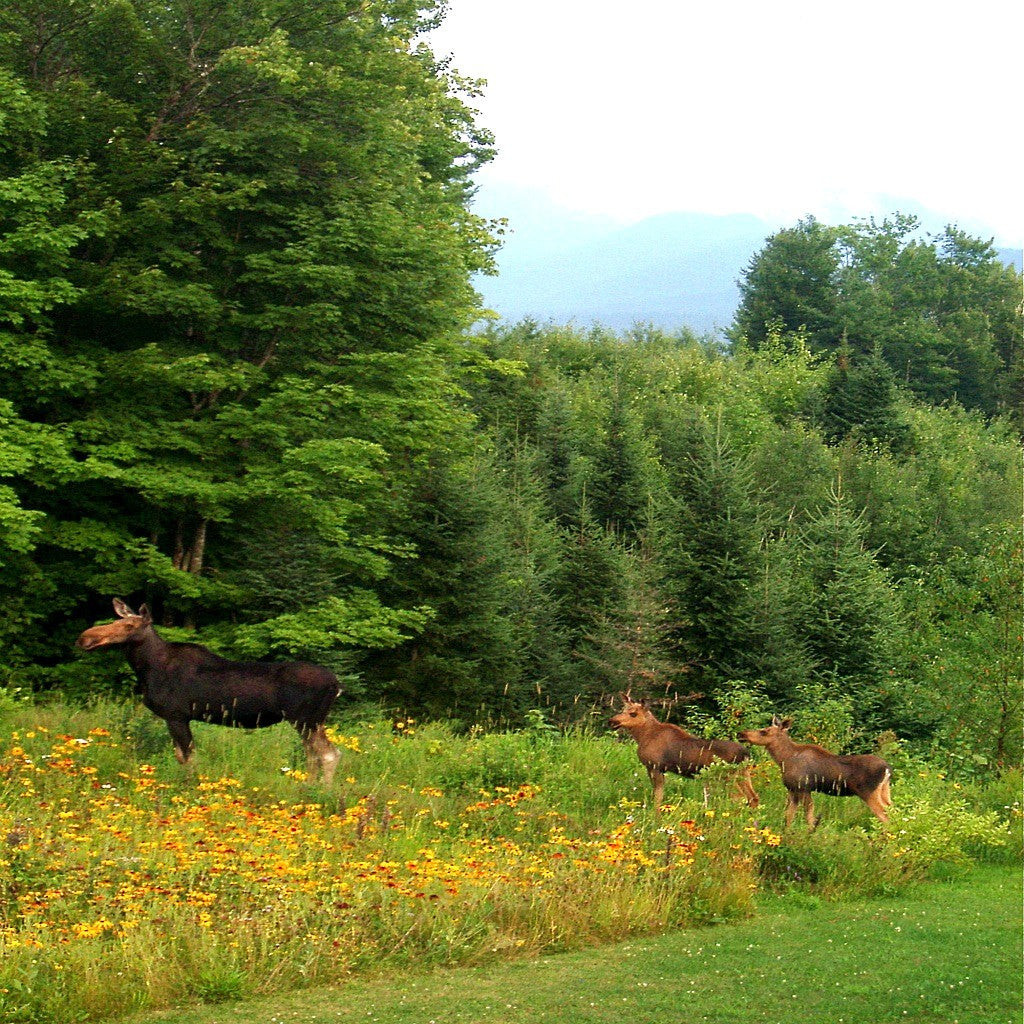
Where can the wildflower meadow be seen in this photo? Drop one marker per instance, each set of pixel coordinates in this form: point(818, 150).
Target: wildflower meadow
point(129, 883)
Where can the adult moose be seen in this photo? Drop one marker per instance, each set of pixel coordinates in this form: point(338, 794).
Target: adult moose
point(663, 747)
point(808, 769)
point(183, 683)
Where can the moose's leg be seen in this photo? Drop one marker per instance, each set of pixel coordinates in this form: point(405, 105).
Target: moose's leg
point(321, 754)
point(792, 803)
point(181, 737)
point(746, 788)
point(658, 781)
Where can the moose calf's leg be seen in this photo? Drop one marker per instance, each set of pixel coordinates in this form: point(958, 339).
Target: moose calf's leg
point(808, 802)
point(792, 802)
point(746, 788)
point(875, 803)
point(658, 781)
point(884, 794)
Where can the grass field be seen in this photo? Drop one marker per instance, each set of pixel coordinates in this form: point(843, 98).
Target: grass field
point(130, 885)
point(943, 953)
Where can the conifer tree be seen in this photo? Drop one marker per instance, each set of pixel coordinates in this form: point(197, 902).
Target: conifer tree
point(546, 672)
point(617, 484)
point(555, 446)
point(860, 399)
point(710, 560)
point(847, 615)
point(464, 663)
point(589, 586)
point(633, 644)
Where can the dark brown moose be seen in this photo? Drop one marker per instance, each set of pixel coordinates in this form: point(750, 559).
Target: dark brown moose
point(663, 747)
point(808, 769)
point(183, 683)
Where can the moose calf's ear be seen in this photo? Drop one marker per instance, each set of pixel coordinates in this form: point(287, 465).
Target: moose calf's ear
point(121, 609)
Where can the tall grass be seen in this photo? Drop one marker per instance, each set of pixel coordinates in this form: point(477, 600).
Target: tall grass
point(127, 882)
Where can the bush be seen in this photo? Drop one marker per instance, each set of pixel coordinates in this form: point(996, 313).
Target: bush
point(925, 831)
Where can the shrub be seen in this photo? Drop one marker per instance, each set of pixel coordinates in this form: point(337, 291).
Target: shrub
point(924, 833)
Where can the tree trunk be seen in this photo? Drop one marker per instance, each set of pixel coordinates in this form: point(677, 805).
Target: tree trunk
point(189, 559)
point(195, 559)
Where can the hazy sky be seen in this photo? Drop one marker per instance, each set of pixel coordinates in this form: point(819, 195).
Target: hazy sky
point(777, 109)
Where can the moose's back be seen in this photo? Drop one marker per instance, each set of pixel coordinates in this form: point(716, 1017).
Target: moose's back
point(251, 694)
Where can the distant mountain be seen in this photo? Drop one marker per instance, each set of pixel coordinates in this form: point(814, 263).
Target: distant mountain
point(672, 270)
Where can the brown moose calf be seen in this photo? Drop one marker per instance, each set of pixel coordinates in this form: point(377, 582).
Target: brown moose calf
point(808, 768)
point(663, 747)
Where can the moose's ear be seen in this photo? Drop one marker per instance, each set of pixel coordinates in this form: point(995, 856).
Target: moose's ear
point(776, 721)
point(121, 609)
point(786, 723)
point(144, 614)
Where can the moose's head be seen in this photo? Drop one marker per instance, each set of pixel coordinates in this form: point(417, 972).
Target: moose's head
point(120, 631)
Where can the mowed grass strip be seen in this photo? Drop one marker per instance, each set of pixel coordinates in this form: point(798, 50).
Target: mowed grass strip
point(944, 953)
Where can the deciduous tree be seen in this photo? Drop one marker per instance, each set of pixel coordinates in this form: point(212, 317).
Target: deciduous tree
point(246, 255)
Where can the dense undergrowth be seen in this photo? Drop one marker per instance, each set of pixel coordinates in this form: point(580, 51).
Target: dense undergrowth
point(127, 882)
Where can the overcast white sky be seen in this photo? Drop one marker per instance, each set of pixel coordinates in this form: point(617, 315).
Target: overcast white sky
point(776, 108)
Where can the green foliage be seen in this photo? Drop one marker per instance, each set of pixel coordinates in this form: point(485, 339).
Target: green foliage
point(932, 831)
point(973, 682)
point(590, 590)
point(794, 560)
point(847, 615)
point(924, 833)
point(790, 286)
point(944, 314)
point(859, 400)
point(233, 263)
point(463, 661)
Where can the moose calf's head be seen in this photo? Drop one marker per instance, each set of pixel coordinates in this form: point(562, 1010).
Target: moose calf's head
point(633, 715)
point(120, 631)
point(763, 737)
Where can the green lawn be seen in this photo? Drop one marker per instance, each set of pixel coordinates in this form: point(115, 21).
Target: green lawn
point(946, 953)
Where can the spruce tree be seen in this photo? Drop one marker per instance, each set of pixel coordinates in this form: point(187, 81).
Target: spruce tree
point(546, 674)
point(589, 586)
point(633, 645)
point(847, 615)
point(710, 557)
point(464, 663)
point(617, 484)
point(861, 399)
